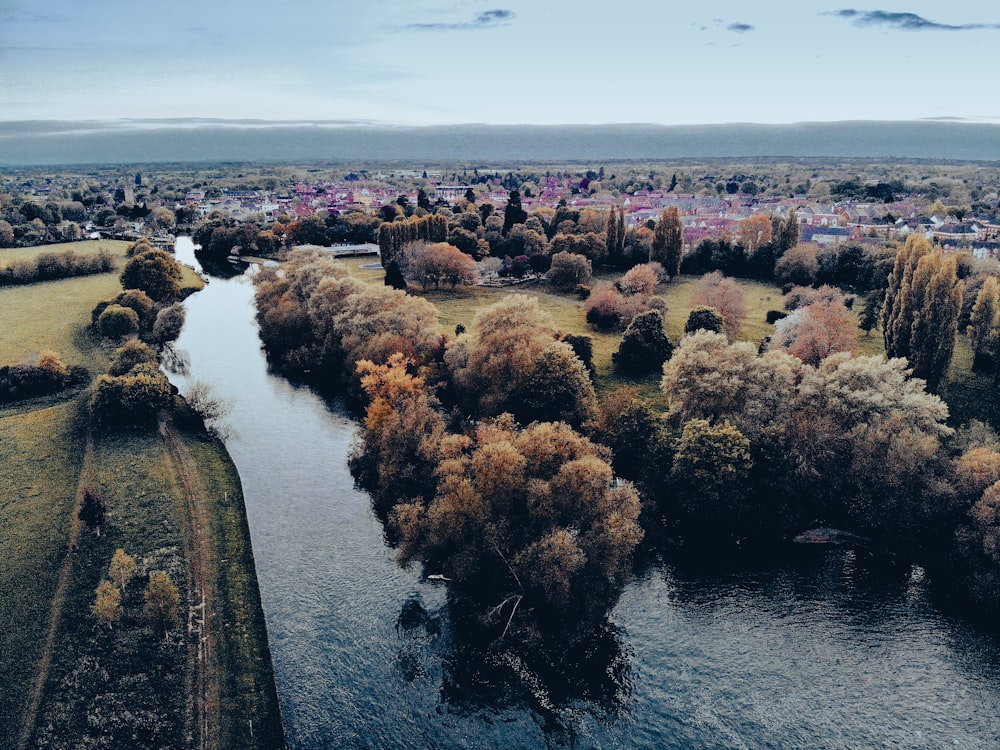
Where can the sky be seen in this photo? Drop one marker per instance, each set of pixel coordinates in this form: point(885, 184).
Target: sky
point(498, 61)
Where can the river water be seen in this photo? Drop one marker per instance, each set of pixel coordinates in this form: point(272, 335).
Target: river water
point(809, 649)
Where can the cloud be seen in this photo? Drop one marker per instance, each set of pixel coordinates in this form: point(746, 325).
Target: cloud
point(740, 28)
point(903, 21)
point(488, 19)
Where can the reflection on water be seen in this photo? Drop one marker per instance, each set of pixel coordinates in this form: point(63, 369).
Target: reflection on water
point(817, 649)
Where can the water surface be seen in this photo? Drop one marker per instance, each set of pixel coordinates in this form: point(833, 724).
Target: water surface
point(811, 649)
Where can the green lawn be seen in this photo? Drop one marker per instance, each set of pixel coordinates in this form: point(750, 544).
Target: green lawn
point(85, 247)
point(40, 457)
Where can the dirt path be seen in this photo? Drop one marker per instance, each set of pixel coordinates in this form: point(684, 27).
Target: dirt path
point(203, 699)
point(58, 599)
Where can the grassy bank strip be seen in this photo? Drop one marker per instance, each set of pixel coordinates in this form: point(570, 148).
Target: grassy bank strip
point(41, 453)
point(248, 711)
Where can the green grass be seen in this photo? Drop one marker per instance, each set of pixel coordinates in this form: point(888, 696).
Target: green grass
point(246, 681)
point(41, 449)
point(40, 457)
point(86, 247)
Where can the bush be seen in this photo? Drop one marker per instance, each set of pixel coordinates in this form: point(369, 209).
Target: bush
point(130, 355)
point(48, 266)
point(645, 346)
point(582, 291)
point(168, 324)
point(704, 319)
point(132, 399)
point(43, 377)
point(607, 310)
point(569, 270)
point(773, 316)
point(116, 322)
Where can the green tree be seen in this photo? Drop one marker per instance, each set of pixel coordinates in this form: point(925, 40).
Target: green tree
point(704, 319)
point(932, 338)
point(568, 270)
point(644, 346)
point(116, 322)
point(558, 389)
point(154, 272)
point(710, 471)
point(668, 241)
point(901, 300)
point(514, 213)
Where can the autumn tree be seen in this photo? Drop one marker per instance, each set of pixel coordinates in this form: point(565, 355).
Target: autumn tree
point(814, 332)
point(161, 601)
point(754, 232)
point(726, 296)
point(398, 449)
point(499, 353)
point(644, 346)
point(528, 525)
point(984, 325)
point(122, 569)
point(107, 606)
point(639, 281)
point(568, 270)
point(438, 262)
point(668, 241)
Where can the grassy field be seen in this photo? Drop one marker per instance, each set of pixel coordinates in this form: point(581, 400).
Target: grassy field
point(459, 306)
point(84, 247)
point(40, 456)
point(111, 674)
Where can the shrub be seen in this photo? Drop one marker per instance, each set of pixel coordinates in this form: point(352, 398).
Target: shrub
point(116, 322)
point(132, 399)
point(608, 310)
point(569, 270)
point(639, 280)
point(704, 319)
point(168, 324)
point(43, 377)
point(133, 353)
point(644, 346)
point(773, 316)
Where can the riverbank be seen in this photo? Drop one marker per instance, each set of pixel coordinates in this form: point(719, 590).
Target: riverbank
point(65, 679)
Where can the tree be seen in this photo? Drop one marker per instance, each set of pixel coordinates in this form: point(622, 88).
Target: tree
point(529, 526)
point(122, 569)
point(93, 510)
point(154, 272)
point(668, 241)
point(726, 296)
point(814, 332)
point(710, 471)
point(568, 270)
point(107, 606)
point(639, 280)
point(162, 600)
point(116, 322)
point(607, 309)
point(901, 300)
point(644, 346)
point(984, 325)
point(439, 262)
point(932, 338)
point(921, 308)
point(558, 389)
point(704, 319)
point(787, 234)
point(755, 232)
point(513, 213)
point(498, 355)
point(132, 399)
point(132, 353)
point(799, 265)
point(168, 324)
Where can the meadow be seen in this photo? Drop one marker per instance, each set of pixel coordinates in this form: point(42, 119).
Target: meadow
point(47, 457)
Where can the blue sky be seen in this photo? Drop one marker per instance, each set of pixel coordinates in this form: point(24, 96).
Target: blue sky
point(498, 61)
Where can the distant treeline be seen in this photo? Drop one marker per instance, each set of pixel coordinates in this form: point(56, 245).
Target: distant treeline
point(61, 265)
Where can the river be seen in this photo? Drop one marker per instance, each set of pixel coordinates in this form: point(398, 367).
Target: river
point(809, 649)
